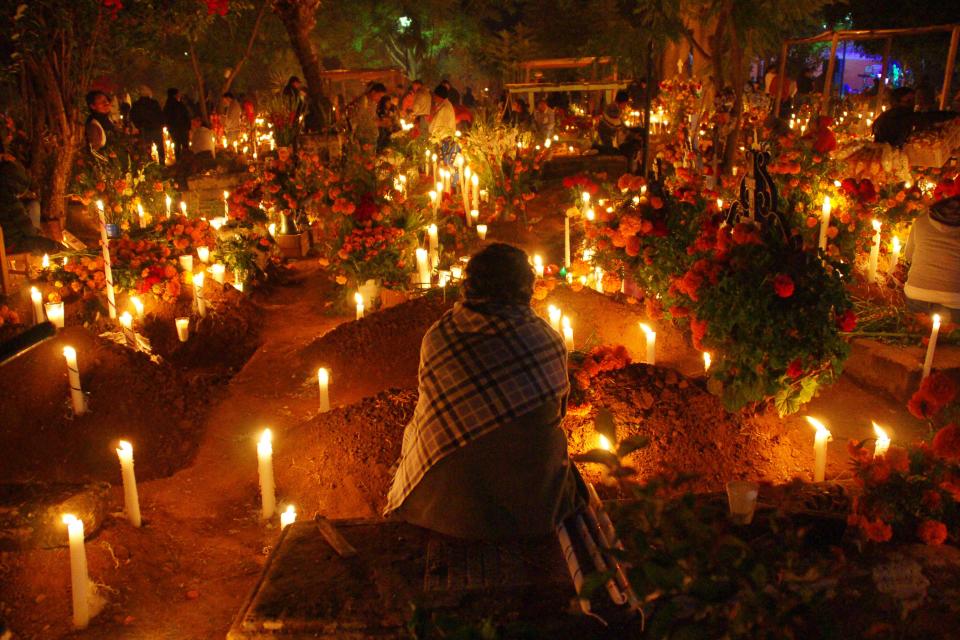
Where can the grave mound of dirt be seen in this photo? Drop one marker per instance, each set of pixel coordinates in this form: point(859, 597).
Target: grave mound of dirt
point(688, 428)
point(380, 351)
point(338, 463)
point(130, 397)
point(220, 343)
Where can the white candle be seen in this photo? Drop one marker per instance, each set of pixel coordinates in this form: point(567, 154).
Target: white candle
point(567, 333)
point(651, 336)
point(475, 216)
point(137, 305)
point(126, 323)
point(566, 240)
point(433, 202)
point(433, 243)
point(585, 197)
point(323, 377)
point(358, 298)
point(824, 223)
point(218, 271)
point(131, 499)
point(268, 491)
point(73, 375)
point(894, 253)
point(874, 253)
point(819, 449)
point(433, 157)
point(55, 313)
point(707, 361)
point(141, 216)
point(464, 191)
point(204, 254)
point(226, 204)
point(423, 267)
point(554, 314)
point(186, 263)
point(426, 161)
point(169, 202)
point(79, 578)
point(37, 298)
point(538, 266)
point(198, 293)
point(475, 184)
point(107, 270)
point(183, 208)
point(482, 231)
point(883, 441)
point(183, 328)
point(932, 345)
point(288, 517)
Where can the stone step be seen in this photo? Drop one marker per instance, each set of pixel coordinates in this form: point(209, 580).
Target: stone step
point(896, 370)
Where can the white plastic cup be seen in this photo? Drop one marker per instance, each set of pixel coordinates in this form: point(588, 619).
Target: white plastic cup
point(742, 497)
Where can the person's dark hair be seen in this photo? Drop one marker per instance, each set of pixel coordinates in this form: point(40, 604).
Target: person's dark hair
point(900, 93)
point(499, 273)
point(622, 96)
point(172, 92)
point(377, 87)
point(228, 95)
point(441, 92)
point(92, 96)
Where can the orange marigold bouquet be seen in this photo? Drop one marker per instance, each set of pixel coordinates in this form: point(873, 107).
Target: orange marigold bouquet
point(913, 493)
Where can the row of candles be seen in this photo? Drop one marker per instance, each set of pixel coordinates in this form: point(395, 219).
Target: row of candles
point(80, 585)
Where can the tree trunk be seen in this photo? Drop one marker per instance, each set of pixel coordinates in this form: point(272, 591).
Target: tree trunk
point(201, 87)
point(246, 53)
point(298, 17)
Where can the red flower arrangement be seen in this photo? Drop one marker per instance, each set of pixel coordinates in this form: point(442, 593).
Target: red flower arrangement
point(600, 359)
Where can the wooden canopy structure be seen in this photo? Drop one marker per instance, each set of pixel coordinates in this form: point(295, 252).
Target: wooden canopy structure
point(834, 38)
point(390, 76)
point(600, 80)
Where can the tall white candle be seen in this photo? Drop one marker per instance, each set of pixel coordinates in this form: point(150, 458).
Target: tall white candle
point(183, 328)
point(55, 313)
point(323, 378)
point(169, 202)
point(475, 189)
point(126, 324)
point(107, 271)
point(198, 293)
point(482, 231)
point(218, 271)
point(423, 268)
point(79, 578)
point(131, 499)
point(874, 253)
point(894, 253)
point(433, 157)
point(707, 361)
point(651, 336)
point(932, 345)
point(37, 298)
point(464, 190)
point(554, 314)
point(433, 243)
point(288, 517)
point(73, 375)
point(567, 333)
point(883, 440)
point(538, 266)
point(226, 204)
point(358, 299)
point(566, 240)
point(824, 223)
point(268, 491)
point(819, 449)
point(141, 216)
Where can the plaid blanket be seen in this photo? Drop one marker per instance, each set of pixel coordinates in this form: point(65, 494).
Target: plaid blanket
point(478, 371)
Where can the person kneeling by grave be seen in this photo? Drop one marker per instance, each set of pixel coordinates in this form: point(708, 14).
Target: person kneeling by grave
point(484, 456)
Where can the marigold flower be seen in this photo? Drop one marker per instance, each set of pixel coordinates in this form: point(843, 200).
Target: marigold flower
point(783, 285)
point(932, 532)
point(946, 443)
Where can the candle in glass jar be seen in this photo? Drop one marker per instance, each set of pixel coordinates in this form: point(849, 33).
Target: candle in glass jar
point(651, 337)
point(183, 328)
point(73, 375)
point(482, 231)
point(323, 378)
point(204, 254)
point(186, 263)
point(37, 298)
point(218, 271)
point(79, 577)
point(268, 492)
point(932, 345)
point(131, 499)
point(55, 313)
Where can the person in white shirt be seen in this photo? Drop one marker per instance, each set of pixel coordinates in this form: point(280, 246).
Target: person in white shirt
point(443, 123)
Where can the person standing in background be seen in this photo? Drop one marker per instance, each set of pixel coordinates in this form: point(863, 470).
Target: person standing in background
point(147, 116)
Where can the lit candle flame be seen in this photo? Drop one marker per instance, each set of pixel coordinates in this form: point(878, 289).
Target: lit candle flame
point(819, 426)
point(883, 440)
point(605, 443)
point(707, 361)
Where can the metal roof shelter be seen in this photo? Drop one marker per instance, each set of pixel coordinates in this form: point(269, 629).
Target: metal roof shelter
point(834, 37)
